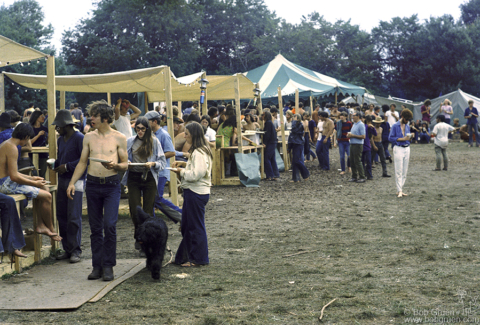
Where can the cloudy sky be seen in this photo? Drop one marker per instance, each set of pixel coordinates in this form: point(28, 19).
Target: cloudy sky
point(65, 14)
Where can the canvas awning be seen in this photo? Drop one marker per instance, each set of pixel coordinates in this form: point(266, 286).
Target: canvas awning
point(11, 52)
point(149, 80)
point(289, 76)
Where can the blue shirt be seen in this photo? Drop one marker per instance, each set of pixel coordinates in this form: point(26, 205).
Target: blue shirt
point(357, 129)
point(167, 146)
point(472, 120)
point(396, 132)
point(188, 110)
point(69, 154)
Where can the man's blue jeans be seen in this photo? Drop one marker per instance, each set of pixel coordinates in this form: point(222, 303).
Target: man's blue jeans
point(471, 129)
point(385, 148)
point(344, 148)
point(367, 163)
point(164, 205)
point(103, 201)
point(323, 153)
point(271, 168)
point(12, 234)
point(298, 164)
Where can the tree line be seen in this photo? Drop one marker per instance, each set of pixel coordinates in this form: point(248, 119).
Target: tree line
point(403, 57)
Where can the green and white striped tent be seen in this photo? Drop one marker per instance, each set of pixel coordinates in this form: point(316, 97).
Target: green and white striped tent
point(289, 76)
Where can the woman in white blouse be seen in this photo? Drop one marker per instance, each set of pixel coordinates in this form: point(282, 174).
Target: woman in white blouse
point(195, 175)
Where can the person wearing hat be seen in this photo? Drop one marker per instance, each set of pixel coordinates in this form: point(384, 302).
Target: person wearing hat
point(377, 145)
point(69, 212)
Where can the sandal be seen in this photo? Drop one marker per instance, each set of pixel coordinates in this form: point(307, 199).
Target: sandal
point(189, 264)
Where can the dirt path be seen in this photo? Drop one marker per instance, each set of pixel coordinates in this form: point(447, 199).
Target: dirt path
point(385, 259)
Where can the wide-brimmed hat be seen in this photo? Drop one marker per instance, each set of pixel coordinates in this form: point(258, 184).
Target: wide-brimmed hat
point(5, 120)
point(63, 118)
point(378, 119)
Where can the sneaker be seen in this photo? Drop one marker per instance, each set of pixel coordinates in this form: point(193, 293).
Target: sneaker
point(361, 180)
point(386, 175)
point(370, 178)
point(63, 256)
point(352, 180)
point(96, 273)
point(75, 258)
point(108, 273)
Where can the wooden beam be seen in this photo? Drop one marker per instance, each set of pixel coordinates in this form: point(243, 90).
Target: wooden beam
point(237, 111)
point(52, 105)
point(282, 128)
point(169, 110)
point(179, 105)
point(260, 107)
point(2, 93)
point(311, 106)
point(62, 100)
point(109, 98)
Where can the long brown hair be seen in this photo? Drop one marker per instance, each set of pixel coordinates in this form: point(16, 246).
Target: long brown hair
point(199, 142)
point(146, 148)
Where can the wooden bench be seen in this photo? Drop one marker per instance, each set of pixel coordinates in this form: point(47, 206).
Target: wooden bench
point(218, 170)
point(39, 251)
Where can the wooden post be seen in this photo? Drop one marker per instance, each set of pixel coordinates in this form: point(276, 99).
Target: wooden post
point(109, 98)
point(145, 96)
point(260, 107)
point(168, 102)
point(179, 105)
point(282, 128)
point(335, 98)
point(2, 93)
point(52, 138)
point(297, 100)
point(311, 106)
point(237, 111)
point(62, 100)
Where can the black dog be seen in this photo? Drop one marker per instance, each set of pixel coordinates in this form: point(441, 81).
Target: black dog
point(152, 234)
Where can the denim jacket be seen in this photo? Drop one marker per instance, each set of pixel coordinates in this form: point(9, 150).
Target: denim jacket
point(157, 156)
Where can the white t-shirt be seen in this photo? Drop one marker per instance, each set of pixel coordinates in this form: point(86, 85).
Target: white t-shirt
point(390, 117)
point(123, 125)
point(210, 134)
point(441, 130)
point(320, 129)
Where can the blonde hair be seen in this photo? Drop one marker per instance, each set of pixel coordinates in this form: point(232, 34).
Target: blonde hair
point(448, 102)
point(289, 113)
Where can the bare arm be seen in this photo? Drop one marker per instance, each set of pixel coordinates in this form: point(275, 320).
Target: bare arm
point(15, 176)
point(117, 108)
point(136, 111)
point(122, 153)
point(82, 163)
point(169, 154)
point(27, 147)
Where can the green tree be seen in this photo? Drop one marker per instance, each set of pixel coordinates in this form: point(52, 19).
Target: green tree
point(23, 22)
point(470, 11)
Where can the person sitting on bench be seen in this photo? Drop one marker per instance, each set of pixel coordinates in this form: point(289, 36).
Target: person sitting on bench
point(33, 187)
point(12, 234)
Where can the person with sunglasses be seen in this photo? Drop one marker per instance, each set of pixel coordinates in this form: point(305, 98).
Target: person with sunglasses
point(145, 160)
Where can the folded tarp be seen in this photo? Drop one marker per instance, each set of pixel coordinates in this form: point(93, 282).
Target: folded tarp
point(248, 167)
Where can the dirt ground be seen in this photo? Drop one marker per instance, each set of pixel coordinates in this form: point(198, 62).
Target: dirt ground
point(282, 251)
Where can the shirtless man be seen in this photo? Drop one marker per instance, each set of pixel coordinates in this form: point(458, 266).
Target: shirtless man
point(103, 187)
point(377, 145)
point(33, 187)
point(324, 144)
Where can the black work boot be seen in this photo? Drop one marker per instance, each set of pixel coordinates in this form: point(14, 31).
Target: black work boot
point(108, 273)
point(96, 273)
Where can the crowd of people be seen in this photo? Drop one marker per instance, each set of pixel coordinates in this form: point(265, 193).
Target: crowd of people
point(122, 148)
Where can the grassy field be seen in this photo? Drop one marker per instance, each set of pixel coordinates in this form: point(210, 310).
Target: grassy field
point(282, 251)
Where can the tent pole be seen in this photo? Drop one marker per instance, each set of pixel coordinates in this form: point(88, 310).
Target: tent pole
point(2, 93)
point(62, 100)
point(311, 106)
point(145, 95)
point(282, 128)
point(237, 112)
point(179, 106)
point(168, 101)
point(52, 138)
point(109, 98)
point(297, 100)
point(335, 98)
